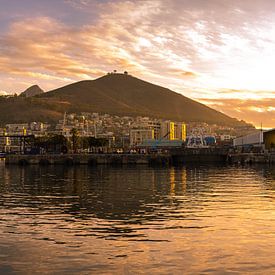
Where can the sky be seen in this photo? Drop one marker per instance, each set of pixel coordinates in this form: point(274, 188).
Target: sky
point(219, 52)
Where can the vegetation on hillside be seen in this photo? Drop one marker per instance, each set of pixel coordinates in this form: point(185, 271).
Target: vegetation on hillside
point(118, 94)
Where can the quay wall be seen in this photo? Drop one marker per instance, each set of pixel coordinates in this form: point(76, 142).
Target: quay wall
point(176, 158)
point(87, 159)
point(199, 155)
point(250, 158)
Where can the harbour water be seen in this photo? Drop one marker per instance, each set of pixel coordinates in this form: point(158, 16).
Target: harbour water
point(137, 220)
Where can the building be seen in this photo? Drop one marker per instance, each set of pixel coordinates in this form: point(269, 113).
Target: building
point(260, 138)
point(137, 136)
point(181, 132)
point(173, 130)
point(160, 144)
point(269, 139)
point(10, 144)
point(17, 128)
point(157, 130)
point(155, 125)
point(255, 139)
point(226, 137)
point(5, 142)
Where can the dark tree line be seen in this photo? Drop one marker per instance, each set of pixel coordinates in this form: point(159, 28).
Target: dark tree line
point(60, 144)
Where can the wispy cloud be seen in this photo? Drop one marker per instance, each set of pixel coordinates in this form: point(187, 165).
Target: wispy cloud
point(204, 49)
point(255, 111)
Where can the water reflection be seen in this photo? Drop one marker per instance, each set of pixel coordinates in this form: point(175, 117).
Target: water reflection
point(201, 218)
point(107, 193)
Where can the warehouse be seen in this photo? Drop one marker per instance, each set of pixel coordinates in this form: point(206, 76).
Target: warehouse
point(269, 139)
point(260, 138)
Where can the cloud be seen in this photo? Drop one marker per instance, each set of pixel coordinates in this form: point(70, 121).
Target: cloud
point(204, 49)
point(40, 50)
point(197, 38)
point(3, 93)
point(188, 74)
point(182, 73)
point(260, 111)
point(52, 48)
point(83, 5)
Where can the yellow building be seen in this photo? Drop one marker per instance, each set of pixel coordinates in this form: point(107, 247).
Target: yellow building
point(173, 130)
point(183, 132)
point(269, 139)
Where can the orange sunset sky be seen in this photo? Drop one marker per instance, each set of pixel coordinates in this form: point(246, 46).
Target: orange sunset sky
point(220, 52)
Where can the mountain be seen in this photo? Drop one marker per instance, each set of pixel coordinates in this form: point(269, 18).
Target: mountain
point(32, 91)
point(118, 94)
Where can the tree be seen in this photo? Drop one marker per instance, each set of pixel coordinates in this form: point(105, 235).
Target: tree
point(58, 142)
point(97, 142)
point(55, 143)
point(85, 144)
point(75, 139)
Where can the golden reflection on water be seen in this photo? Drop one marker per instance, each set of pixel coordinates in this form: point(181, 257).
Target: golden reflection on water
point(172, 181)
point(137, 220)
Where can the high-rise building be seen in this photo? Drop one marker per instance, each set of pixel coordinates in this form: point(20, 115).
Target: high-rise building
point(173, 130)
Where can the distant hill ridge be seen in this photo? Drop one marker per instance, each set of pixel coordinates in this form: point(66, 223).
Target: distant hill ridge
point(118, 94)
point(32, 91)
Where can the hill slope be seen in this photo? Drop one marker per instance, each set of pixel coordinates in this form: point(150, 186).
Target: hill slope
point(115, 94)
point(32, 91)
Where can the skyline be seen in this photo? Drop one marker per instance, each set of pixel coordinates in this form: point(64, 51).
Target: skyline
point(220, 53)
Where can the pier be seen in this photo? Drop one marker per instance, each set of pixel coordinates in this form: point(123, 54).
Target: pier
point(176, 157)
point(89, 159)
point(199, 155)
point(251, 158)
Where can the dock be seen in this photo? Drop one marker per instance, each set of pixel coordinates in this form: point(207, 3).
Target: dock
point(176, 157)
point(89, 159)
point(199, 155)
point(252, 158)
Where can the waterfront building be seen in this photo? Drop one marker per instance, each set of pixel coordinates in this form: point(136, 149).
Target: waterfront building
point(168, 130)
point(10, 144)
point(4, 143)
point(36, 126)
point(101, 125)
point(137, 136)
point(173, 130)
point(153, 129)
point(17, 128)
point(164, 144)
point(261, 138)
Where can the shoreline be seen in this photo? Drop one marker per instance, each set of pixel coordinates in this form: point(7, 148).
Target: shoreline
point(176, 158)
